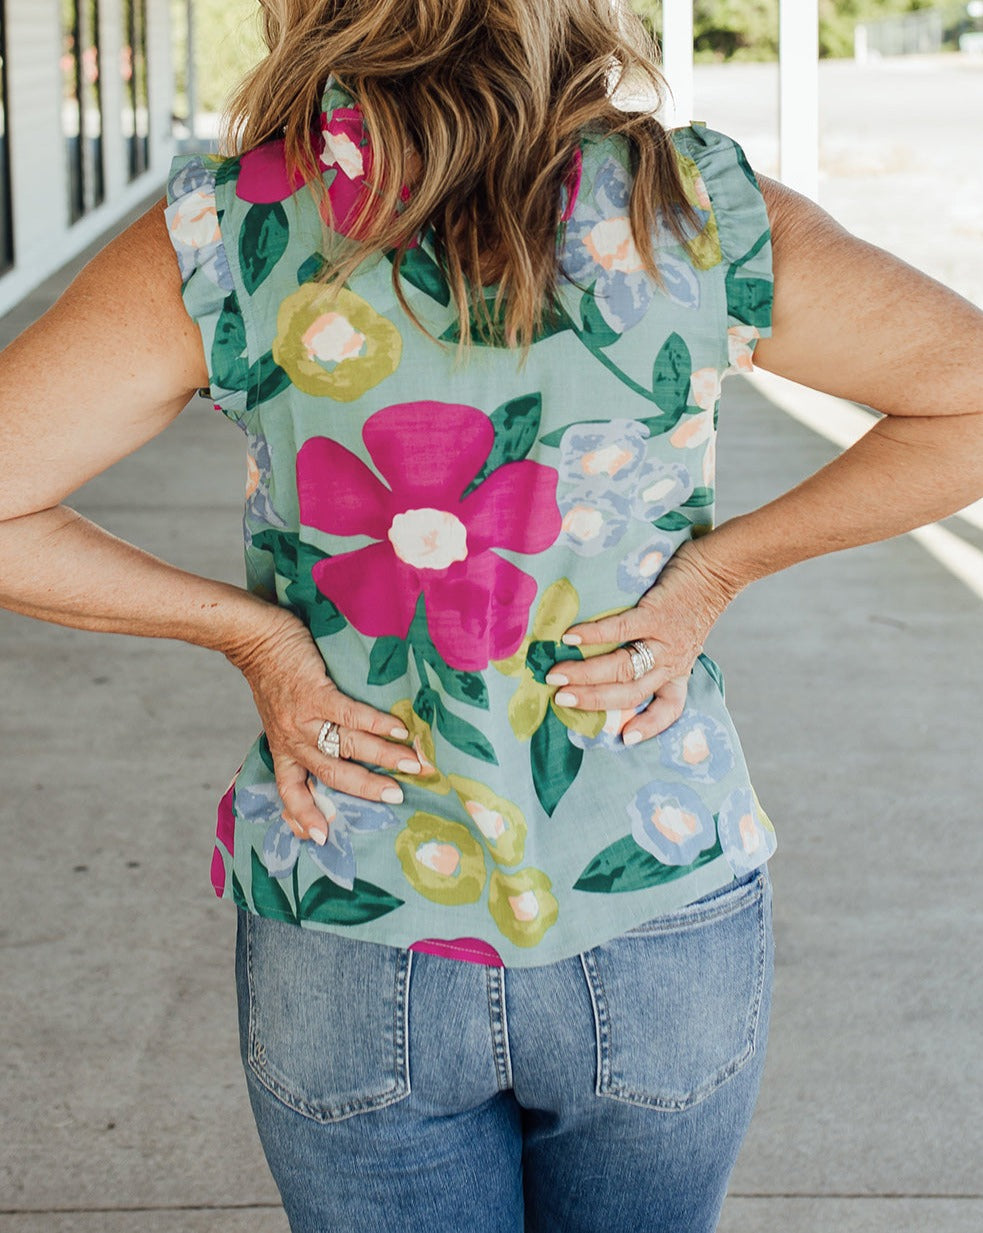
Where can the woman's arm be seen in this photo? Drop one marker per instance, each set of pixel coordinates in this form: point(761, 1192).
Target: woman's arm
point(853, 321)
point(106, 369)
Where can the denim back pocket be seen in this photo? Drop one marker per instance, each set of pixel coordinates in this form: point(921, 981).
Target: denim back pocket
point(677, 1000)
point(327, 1019)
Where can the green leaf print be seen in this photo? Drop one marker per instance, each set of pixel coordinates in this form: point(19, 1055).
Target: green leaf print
point(269, 897)
point(263, 240)
point(555, 761)
point(266, 380)
point(425, 704)
point(555, 324)
point(266, 754)
point(596, 330)
point(420, 270)
point(311, 268)
point(320, 613)
point(226, 171)
point(238, 894)
point(544, 656)
point(671, 376)
point(749, 299)
point(713, 670)
point(701, 498)
point(230, 364)
point(467, 687)
point(516, 424)
point(388, 660)
point(673, 521)
point(462, 735)
point(624, 866)
point(329, 904)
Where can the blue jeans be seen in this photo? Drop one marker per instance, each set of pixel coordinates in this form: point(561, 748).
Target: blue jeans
point(402, 1092)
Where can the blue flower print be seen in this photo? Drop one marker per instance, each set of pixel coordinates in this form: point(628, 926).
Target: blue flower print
point(192, 219)
point(600, 251)
point(659, 488)
point(593, 521)
point(609, 736)
point(746, 835)
point(637, 572)
point(258, 803)
point(611, 452)
point(344, 814)
point(698, 746)
point(259, 470)
point(671, 822)
point(680, 280)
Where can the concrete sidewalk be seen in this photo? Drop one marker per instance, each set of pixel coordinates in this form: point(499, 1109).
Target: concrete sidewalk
point(855, 681)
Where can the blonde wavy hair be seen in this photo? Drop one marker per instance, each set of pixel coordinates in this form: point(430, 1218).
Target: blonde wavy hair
point(491, 99)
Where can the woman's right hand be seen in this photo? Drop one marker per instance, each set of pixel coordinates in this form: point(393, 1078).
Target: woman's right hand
point(295, 696)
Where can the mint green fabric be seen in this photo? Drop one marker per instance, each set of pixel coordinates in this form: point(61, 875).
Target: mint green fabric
point(438, 525)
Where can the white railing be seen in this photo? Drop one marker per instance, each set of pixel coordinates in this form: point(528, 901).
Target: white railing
point(798, 91)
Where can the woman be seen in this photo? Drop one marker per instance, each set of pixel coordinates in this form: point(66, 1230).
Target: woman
point(504, 951)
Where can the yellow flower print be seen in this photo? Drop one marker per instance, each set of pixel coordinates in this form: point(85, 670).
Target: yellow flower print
point(522, 905)
point(705, 247)
point(556, 612)
point(421, 738)
point(501, 822)
point(441, 859)
point(332, 343)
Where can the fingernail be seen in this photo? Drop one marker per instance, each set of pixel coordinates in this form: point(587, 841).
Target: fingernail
point(320, 837)
point(557, 678)
point(409, 767)
point(565, 698)
point(572, 639)
point(399, 734)
point(392, 796)
point(632, 737)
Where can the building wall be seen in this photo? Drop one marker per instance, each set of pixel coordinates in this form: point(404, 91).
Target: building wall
point(44, 238)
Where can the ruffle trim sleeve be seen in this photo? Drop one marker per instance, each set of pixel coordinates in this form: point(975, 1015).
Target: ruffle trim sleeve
point(745, 237)
point(193, 216)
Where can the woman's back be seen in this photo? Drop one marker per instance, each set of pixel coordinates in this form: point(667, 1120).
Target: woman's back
point(438, 522)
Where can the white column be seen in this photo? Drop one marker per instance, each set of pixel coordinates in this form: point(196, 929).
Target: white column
point(677, 60)
point(799, 107)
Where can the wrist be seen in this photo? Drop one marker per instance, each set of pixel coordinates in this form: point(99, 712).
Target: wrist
point(252, 629)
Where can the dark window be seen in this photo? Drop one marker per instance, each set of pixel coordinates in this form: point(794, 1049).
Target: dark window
point(136, 99)
point(81, 110)
point(6, 220)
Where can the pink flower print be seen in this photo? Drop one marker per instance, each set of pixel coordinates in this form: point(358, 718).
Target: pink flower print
point(263, 176)
point(705, 388)
point(571, 186)
point(740, 344)
point(225, 830)
point(342, 146)
point(693, 430)
point(430, 539)
point(470, 950)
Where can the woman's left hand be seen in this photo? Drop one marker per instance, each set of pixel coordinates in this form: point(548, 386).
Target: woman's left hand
point(673, 619)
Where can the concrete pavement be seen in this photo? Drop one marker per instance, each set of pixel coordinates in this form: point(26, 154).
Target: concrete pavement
point(855, 681)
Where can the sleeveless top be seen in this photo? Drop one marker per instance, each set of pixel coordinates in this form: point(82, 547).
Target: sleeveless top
point(439, 524)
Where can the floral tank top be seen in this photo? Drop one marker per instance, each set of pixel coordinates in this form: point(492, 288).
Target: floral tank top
point(439, 524)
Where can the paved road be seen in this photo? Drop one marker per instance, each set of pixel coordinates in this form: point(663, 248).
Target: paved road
point(855, 682)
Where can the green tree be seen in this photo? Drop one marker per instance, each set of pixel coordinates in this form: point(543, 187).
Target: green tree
point(748, 29)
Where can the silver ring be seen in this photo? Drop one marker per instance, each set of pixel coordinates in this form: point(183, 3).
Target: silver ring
point(329, 739)
point(642, 659)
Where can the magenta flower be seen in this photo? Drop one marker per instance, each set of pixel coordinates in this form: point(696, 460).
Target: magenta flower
point(342, 146)
point(225, 838)
point(431, 540)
